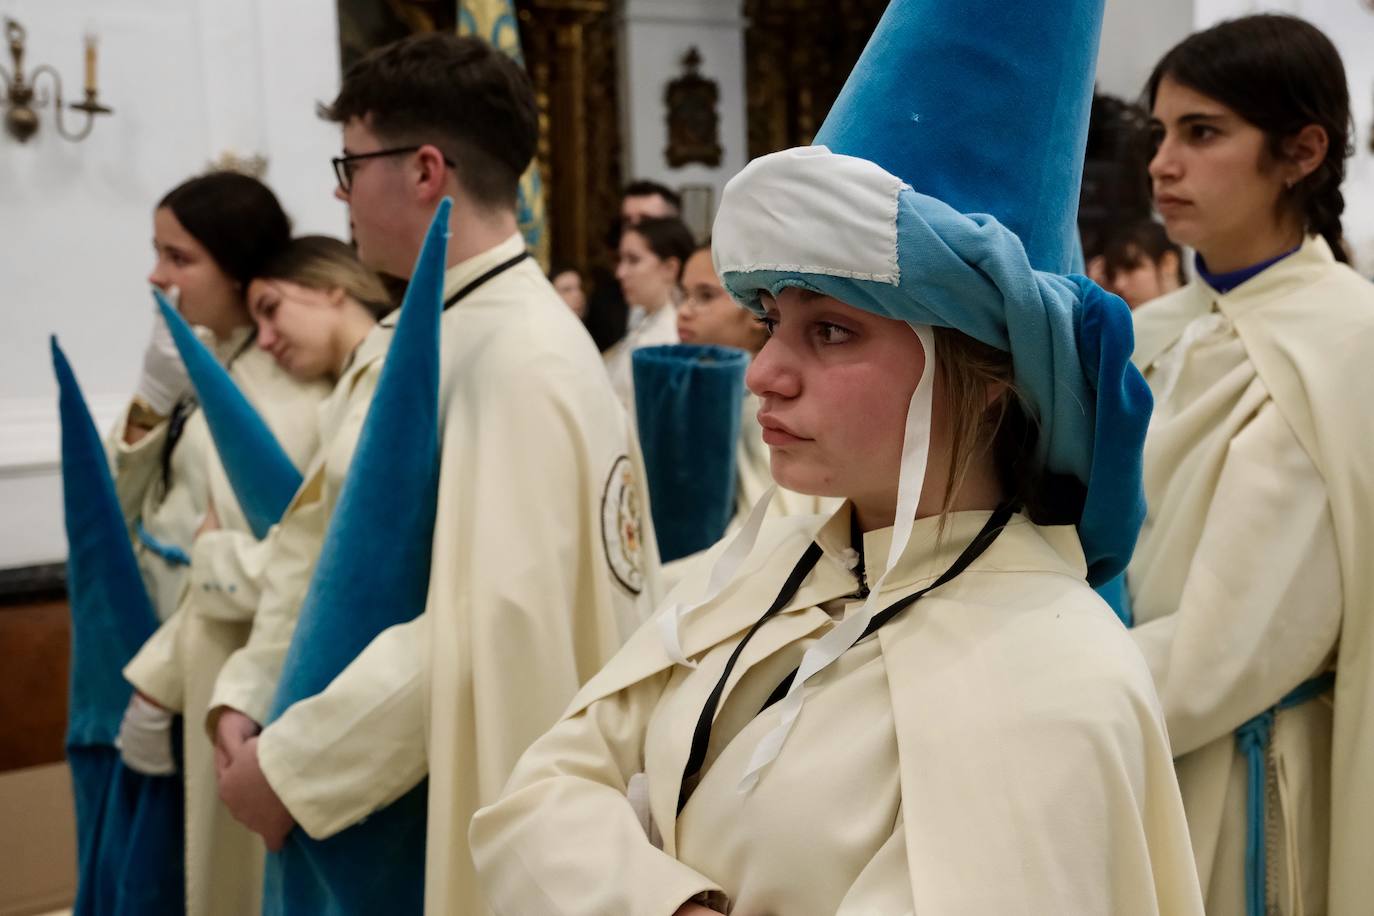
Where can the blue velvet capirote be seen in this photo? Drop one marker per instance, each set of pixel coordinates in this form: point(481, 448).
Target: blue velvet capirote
point(258, 468)
point(373, 573)
point(129, 829)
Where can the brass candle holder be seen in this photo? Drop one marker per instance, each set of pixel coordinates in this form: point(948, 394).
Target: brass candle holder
point(22, 96)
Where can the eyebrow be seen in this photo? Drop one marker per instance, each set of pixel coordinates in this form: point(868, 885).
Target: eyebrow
point(1192, 117)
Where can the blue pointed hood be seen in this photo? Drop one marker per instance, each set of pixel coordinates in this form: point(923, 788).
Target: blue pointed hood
point(258, 468)
point(942, 191)
point(983, 106)
point(373, 573)
point(373, 570)
point(687, 410)
point(112, 615)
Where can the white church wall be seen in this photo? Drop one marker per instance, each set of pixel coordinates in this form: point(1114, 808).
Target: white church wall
point(655, 36)
point(1134, 36)
point(188, 82)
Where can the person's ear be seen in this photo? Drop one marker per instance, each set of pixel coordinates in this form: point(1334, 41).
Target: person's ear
point(1304, 152)
point(336, 296)
point(430, 173)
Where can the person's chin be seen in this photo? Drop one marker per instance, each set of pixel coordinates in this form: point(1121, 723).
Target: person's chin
point(798, 472)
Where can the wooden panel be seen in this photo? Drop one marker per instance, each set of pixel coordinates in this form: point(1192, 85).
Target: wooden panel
point(35, 647)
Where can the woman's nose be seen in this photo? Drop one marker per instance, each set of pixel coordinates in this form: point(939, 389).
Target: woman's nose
point(771, 372)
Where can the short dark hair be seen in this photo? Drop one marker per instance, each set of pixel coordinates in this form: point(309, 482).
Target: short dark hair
point(645, 188)
point(459, 93)
point(1125, 245)
point(667, 237)
point(1281, 74)
point(237, 218)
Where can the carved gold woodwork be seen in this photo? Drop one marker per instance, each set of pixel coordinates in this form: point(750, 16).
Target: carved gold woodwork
point(798, 54)
point(570, 51)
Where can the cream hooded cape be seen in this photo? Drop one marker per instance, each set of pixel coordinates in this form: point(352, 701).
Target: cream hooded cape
point(1306, 327)
point(543, 563)
point(998, 748)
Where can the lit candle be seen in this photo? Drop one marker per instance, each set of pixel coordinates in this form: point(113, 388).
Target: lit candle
point(90, 64)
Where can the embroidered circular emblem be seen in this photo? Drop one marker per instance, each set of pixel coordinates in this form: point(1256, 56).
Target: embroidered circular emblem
point(622, 526)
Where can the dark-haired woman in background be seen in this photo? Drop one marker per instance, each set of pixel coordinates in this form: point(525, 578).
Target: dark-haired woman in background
point(652, 255)
point(211, 235)
point(1251, 584)
point(1139, 262)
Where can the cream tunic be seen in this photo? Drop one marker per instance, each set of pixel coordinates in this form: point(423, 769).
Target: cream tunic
point(542, 565)
point(997, 748)
point(645, 330)
point(178, 663)
point(1237, 582)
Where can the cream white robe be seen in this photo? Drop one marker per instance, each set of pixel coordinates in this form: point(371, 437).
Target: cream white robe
point(178, 663)
point(645, 330)
point(1245, 580)
point(998, 748)
point(543, 563)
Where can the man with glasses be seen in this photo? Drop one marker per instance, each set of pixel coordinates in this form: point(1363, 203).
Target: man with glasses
point(543, 558)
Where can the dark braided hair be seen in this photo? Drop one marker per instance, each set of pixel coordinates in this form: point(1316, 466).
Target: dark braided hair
point(1281, 74)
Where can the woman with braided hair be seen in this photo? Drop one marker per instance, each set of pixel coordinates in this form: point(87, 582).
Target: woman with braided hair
point(1251, 585)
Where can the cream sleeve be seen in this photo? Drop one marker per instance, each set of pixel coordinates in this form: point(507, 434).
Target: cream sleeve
point(564, 840)
point(134, 467)
point(227, 569)
point(155, 671)
point(248, 680)
point(356, 747)
point(1260, 610)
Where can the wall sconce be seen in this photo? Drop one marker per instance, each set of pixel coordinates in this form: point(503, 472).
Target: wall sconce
point(23, 97)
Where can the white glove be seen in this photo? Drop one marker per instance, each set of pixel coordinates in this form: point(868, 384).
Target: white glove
point(145, 738)
point(164, 379)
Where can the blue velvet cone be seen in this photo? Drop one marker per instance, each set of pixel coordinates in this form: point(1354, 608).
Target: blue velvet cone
point(687, 404)
point(129, 826)
point(259, 470)
point(373, 573)
point(982, 106)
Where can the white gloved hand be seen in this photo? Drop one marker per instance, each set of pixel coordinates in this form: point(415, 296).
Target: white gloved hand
point(145, 738)
point(164, 379)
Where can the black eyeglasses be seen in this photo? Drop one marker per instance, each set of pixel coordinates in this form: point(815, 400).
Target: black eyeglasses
point(344, 166)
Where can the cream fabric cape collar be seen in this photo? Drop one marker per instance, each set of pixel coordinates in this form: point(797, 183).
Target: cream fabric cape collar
point(460, 274)
point(1307, 324)
point(943, 658)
